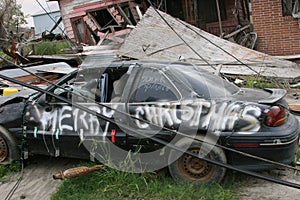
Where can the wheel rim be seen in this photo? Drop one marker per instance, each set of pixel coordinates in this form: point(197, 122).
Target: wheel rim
point(3, 150)
point(195, 169)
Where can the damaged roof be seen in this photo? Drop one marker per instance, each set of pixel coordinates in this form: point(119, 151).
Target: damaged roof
point(154, 39)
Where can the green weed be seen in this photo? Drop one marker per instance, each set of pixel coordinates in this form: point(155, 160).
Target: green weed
point(47, 47)
point(8, 169)
point(261, 83)
point(113, 184)
point(2, 62)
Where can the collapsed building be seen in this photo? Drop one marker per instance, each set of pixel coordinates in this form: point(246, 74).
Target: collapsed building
point(269, 26)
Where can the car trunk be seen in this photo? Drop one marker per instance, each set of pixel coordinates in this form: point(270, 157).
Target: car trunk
point(266, 96)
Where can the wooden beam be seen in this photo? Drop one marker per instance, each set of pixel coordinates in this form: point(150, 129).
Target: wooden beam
point(124, 15)
point(94, 21)
point(115, 15)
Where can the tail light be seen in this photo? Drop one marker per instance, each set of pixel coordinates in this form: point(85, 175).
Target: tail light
point(276, 116)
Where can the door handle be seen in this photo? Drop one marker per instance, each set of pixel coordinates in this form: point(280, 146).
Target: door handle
point(48, 108)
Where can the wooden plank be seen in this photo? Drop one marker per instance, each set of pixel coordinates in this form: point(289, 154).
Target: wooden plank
point(122, 32)
point(97, 5)
point(124, 15)
point(94, 21)
point(236, 32)
point(132, 7)
point(102, 38)
point(115, 15)
point(294, 107)
point(77, 14)
point(113, 36)
point(152, 31)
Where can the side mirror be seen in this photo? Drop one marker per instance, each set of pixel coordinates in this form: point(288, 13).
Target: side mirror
point(64, 93)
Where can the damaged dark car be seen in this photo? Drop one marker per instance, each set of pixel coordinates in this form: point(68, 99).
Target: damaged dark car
point(132, 102)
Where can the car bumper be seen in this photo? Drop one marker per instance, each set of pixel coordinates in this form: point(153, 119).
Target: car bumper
point(277, 144)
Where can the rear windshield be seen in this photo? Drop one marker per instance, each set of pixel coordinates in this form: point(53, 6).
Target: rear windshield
point(205, 84)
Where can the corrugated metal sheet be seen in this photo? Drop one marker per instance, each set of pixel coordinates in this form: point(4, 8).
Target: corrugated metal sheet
point(13, 73)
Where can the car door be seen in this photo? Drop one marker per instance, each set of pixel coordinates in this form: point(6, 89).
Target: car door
point(57, 128)
point(47, 118)
point(153, 101)
point(89, 92)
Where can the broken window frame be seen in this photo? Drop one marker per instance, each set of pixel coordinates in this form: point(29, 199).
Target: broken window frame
point(288, 6)
point(296, 10)
point(120, 18)
point(86, 38)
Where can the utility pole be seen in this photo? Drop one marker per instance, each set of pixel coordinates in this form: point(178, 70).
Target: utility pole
point(219, 17)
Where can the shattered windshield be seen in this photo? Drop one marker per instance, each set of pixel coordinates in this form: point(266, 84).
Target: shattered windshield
point(205, 84)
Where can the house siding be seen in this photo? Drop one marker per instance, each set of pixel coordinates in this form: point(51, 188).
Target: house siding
point(277, 35)
point(67, 10)
point(71, 9)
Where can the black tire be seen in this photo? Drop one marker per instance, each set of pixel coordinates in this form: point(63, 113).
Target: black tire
point(9, 150)
point(194, 170)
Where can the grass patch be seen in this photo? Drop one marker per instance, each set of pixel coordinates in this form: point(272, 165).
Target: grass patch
point(46, 47)
point(297, 158)
point(109, 183)
point(297, 87)
point(8, 169)
point(2, 62)
point(261, 83)
point(2, 54)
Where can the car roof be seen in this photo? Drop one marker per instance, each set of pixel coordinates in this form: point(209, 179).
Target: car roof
point(100, 63)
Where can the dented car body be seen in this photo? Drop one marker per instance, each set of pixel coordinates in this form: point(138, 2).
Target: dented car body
point(157, 99)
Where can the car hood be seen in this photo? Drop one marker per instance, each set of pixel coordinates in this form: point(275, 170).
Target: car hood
point(265, 96)
point(16, 97)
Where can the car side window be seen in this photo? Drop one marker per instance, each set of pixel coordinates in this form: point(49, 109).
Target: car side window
point(92, 89)
point(85, 87)
point(153, 86)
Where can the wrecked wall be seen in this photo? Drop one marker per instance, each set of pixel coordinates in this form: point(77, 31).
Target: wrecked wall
point(91, 21)
point(66, 9)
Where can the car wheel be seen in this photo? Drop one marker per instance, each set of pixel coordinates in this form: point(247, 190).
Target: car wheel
point(8, 147)
point(194, 170)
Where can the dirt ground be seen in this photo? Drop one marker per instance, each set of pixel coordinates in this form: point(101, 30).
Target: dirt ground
point(254, 189)
point(37, 182)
